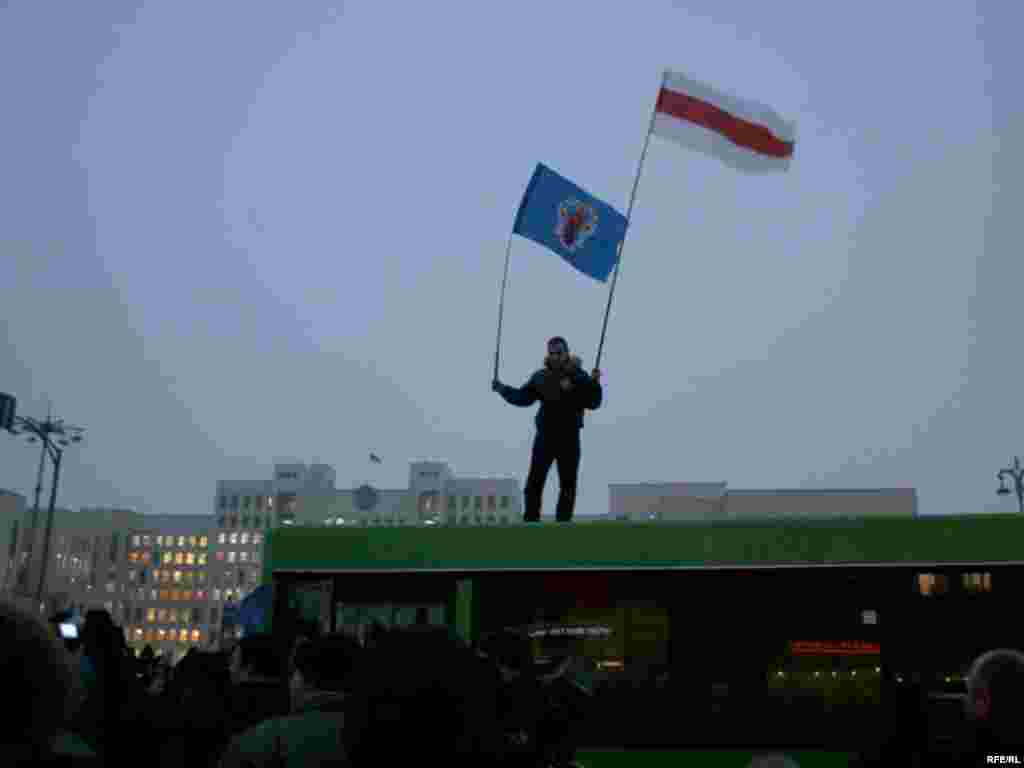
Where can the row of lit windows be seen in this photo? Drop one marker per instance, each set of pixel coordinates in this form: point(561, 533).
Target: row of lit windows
point(187, 595)
point(236, 538)
point(170, 558)
point(170, 541)
point(934, 584)
point(172, 615)
point(241, 557)
point(156, 635)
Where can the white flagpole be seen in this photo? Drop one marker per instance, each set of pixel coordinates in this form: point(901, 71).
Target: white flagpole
point(629, 213)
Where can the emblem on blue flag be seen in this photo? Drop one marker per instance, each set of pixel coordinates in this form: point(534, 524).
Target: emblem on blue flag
point(577, 221)
point(565, 219)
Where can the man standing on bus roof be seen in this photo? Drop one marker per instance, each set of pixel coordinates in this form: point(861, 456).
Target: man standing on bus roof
point(564, 391)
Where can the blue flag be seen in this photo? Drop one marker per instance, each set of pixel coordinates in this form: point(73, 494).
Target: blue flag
point(583, 230)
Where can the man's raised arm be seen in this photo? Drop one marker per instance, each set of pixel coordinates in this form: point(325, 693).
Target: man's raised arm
point(524, 396)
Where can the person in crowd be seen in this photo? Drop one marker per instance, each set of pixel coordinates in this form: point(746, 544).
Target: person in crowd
point(113, 707)
point(199, 699)
point(313, 733)
point(258, 694)
point(37, 674)
point(995, 700)
point(421, 696)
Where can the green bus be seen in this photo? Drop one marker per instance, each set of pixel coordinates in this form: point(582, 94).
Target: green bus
point(710, 640)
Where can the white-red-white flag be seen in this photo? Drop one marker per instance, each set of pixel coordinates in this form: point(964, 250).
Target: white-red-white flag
point(744, 134)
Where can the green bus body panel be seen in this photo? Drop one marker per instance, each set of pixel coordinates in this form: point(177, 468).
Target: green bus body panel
point(614, 544)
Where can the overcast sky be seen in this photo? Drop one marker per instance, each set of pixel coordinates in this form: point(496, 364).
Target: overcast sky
point(233, 233)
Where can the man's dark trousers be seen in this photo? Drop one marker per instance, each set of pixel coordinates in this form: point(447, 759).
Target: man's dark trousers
point(563, 447)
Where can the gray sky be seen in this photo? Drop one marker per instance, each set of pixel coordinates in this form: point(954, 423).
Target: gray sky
point(233, 233)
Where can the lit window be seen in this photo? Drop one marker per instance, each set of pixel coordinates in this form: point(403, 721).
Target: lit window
point(931, 584)
point(136, 541)
point(243, 557)
point(133, 557)
point(203, 541)
point(220, 555)
point(195, 635)
point(257, 538)
point(190, 558)
point(151, 615)
point(181, 541)
point(179, 558)
point(974, 583)
point(177, 577)
point(201, 560)
point(183, 635)
point(222, 538)
point(231, 556)
point(192, 541)
point(168, 558)
point(234, 538)
point(245, 538)
point(161, 634)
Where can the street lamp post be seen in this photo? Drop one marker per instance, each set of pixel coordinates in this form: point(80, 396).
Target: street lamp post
point(1015, 473)
point(55, 436)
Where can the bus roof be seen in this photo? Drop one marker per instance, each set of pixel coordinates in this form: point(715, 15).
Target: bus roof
point(619, 545)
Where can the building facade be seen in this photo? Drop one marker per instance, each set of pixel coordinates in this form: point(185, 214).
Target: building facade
point(715, 501)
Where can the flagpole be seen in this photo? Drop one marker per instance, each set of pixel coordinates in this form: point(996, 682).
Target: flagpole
point(629, 213)
point(501, 304)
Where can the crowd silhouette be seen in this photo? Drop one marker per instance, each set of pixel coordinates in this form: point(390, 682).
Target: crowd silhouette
point(404, 695)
